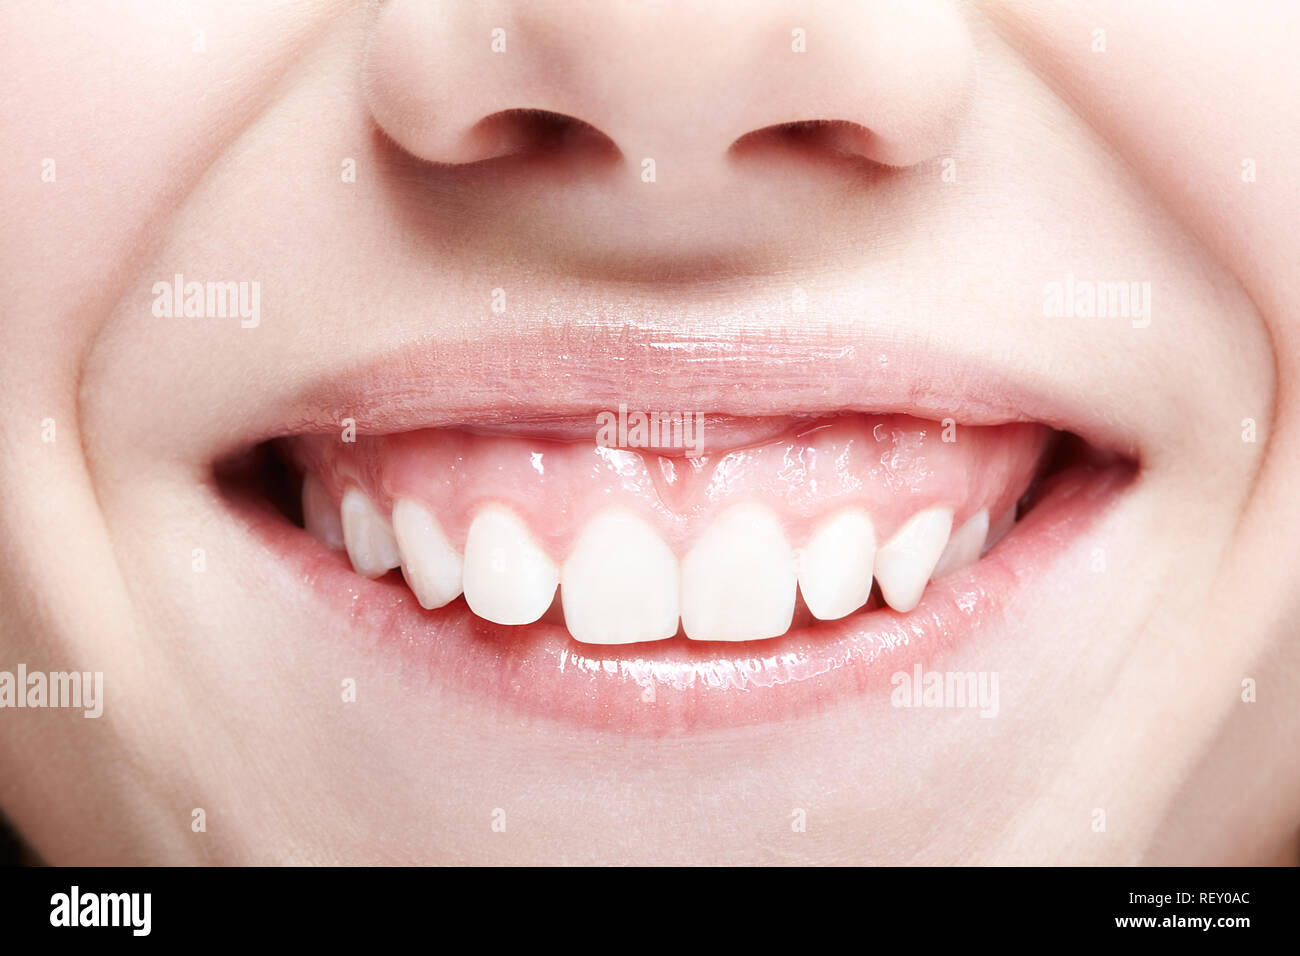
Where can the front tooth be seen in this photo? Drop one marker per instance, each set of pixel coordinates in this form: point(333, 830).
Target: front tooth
point(738, 582)
point(508, 578)
point(620, 583)
point(836, 564)
point(904, 564)
point(368, 535)
point(319, 516)
point(965, 545)
point(430, 564)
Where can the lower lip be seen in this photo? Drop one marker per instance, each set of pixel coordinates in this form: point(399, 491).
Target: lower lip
point(680, 687)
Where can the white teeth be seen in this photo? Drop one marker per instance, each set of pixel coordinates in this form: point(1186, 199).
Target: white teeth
point(1000, 528)
point(904, 564)
point(835, 566)
point(620, 583)
point(368, 536)
point(738, 582)
point(430, 564)
point(965, 545)
point(319, 516)
point(508, 578)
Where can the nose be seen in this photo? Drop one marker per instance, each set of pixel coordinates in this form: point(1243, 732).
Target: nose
point(688, 84)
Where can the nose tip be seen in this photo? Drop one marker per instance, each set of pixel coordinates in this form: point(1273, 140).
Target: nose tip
point(683, 84)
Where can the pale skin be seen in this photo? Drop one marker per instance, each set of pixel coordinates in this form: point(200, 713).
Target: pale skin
point(1166, 153)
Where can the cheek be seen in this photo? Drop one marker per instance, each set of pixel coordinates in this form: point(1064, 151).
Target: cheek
point(116, 120)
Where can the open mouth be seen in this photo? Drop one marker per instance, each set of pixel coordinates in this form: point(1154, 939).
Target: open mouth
point(663, 571)
point(627, 546)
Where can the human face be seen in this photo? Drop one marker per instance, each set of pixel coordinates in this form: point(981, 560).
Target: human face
point(903, 270)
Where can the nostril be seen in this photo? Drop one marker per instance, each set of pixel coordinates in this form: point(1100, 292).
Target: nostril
point(536, 132)
point(816, 139)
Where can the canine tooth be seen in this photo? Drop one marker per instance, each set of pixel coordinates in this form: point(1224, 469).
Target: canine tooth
point(738, 582)
point(904, 564)
point(368, 535)
point(508, 579)
point(965, 545)
point(1000, 528)
point(319, 515)
point(620, 583)
point(835, 566)
point(431, 566)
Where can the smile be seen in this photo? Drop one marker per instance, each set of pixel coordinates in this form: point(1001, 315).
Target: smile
point(789, 554)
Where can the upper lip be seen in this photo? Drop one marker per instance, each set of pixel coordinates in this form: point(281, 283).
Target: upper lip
point(540, 375)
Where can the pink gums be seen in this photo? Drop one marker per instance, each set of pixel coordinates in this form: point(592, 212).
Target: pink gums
point(891, 465)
